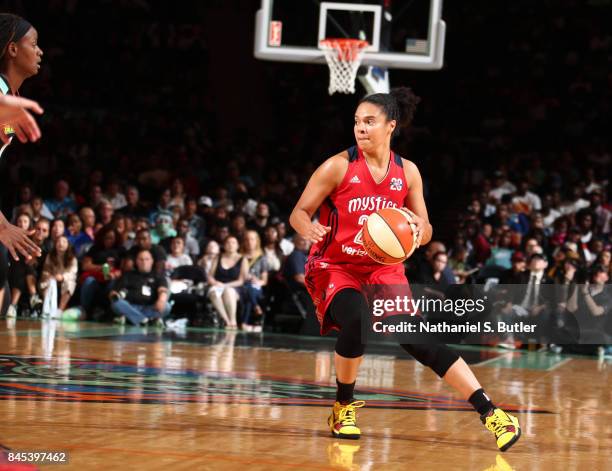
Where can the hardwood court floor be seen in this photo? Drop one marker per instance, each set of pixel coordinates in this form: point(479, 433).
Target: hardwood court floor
point(128, 398)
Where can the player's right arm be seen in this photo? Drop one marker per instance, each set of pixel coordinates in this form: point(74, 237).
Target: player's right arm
point(322, 183)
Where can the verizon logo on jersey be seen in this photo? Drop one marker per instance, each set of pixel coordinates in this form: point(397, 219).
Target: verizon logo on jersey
point(369, 203)
point(347, 249)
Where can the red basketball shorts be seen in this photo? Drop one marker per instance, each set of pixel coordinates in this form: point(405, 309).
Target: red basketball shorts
point(325, 280)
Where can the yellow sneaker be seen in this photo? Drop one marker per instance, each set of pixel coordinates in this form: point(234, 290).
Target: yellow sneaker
point(343, 420)
point(504, 426)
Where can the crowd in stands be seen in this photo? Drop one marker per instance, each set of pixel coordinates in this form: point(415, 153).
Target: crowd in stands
point(132, 170)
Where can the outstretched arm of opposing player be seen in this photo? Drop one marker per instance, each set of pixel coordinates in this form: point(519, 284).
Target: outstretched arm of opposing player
point(16, 240)
point(14, 113)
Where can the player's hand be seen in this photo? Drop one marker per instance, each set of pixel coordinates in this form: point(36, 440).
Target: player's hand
point(420, 224)
point(16, 240)
point(14, 113)
point(316, 232)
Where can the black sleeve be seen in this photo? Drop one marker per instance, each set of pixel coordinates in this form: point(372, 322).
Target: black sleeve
point(161, 282)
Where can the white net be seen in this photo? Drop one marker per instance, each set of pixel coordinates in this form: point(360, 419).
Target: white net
point(343, 57)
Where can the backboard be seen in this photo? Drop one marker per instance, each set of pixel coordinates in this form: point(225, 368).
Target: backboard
point(403, 34)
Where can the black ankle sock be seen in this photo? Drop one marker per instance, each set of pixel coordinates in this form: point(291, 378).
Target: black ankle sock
point(481, 402)
point(344, 393)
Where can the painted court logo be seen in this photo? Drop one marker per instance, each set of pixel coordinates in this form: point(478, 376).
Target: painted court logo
point(88, 380)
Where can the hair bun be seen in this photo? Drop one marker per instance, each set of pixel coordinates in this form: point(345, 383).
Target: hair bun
point(407, 102)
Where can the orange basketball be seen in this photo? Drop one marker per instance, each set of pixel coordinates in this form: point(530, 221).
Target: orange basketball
point(389, 236)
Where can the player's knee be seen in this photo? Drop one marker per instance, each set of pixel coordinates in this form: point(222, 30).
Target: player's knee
point(349, 347)
point(348, 308)
point(437, 357)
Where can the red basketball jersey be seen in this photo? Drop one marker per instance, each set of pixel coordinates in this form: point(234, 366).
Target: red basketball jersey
point(347, 208)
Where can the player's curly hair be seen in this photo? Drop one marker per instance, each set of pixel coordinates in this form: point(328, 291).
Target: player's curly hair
point(400, 104)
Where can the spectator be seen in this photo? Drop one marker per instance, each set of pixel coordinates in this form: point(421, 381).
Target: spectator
point(144, 242)
point(295, 265)
point(78, 240)
point(477, 243)
point(125, 236)
point(604, 260)
point(211, 252)
point(95, 283)
point(256, 280)
point(177, 194)
point(206, 210)
point(575, 203)
point(114, 196)
point(525, 201)
point(163, 205)
point(517, 222)
point(501, 252)
point(163, 228)
point(285, 243)
point(549, 214)
point(261, 219)
point(58, 229)
point(221, 232)
point(192, 247)
point(177, 256)
point(88, 218)
point(502, 186)
point(39, 210)
point(60, 268)
point(459, 264)
point(141, 295)
point(603, 215)
point(592, 304)
point(62, 203)
point(437, 284)
point(105, 214)
point(238, 226)
point(24, 198)
point(532, 246)
point(226, 275)
point(95, 196)
point(535, 300)
point(272, 251)
point(420, 267)
point(133, 207)
point(197, 226)
point(517, 273)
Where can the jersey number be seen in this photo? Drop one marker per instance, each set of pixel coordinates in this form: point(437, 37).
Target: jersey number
point(359, 237)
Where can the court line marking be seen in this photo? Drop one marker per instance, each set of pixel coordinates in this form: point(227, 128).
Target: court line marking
point(557, 365)
point(491, 360)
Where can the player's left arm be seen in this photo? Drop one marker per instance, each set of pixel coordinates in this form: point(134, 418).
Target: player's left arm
point(415, 202)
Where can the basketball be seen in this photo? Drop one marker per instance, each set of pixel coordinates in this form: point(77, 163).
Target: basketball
point(389, 236)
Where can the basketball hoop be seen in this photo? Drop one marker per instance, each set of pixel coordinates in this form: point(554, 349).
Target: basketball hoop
point(343, 57)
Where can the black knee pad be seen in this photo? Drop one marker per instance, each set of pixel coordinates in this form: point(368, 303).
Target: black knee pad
point(347, 309)
point(438, 357)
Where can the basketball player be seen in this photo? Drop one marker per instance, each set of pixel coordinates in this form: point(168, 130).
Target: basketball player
point(19, 59)
point(346, 188)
